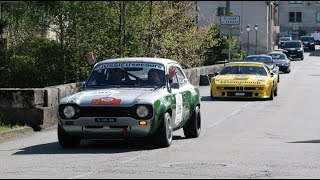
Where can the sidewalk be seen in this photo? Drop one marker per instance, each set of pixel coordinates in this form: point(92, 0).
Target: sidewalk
point(14, 133)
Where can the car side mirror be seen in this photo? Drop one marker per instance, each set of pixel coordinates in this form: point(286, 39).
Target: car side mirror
point(216, 73)
point(272, 74)
point(174, 85)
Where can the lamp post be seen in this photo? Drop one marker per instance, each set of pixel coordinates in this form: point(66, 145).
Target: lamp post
point(256, 28)
point(248, 29)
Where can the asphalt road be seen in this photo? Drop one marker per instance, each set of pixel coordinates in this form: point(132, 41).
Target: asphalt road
point(239, 139)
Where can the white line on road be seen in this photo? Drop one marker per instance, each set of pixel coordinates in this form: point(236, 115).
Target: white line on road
point(81, 175)
point(231, 115)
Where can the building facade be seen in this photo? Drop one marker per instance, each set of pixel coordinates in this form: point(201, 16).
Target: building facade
point(299, 18)
point(262, 13)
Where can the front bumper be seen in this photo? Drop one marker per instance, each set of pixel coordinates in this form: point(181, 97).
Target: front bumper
point(283, 67)
point(298, 54)
point(241, 92)
point(87, 127)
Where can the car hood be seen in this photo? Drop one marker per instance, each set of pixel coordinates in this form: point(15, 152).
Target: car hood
point(280, 61)
point(240, 78)
point(115, 96)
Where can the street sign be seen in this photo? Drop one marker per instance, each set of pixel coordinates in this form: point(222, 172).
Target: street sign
point(233, 32)
point(232, 51)
point(230, 20)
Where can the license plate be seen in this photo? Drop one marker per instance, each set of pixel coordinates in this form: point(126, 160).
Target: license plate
point(106, 120)
point(240, 94)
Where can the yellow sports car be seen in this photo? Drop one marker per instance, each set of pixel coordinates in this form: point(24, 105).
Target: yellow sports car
point(244, 80)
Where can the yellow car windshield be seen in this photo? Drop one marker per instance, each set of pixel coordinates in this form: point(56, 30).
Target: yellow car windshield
point(257, 70)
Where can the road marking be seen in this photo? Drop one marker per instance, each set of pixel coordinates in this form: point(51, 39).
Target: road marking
point(234, 113)
point(81, 175)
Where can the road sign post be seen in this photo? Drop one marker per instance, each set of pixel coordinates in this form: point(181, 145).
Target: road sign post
point(229, 27)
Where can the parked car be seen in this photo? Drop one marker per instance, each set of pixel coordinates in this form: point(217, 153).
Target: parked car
point(283, 40)
point(281, 61)
point(267, 60)
point(132, 108)
point(294, 49)
point(308, 42)
point(244, 80)
point(316, 36)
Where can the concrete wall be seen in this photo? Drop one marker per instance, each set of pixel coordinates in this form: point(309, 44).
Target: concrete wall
point(38, 107)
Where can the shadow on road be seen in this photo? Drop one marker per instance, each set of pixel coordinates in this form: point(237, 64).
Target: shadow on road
point(93, 147)
point(309, 141)
point(208, 98)
point(314, 53)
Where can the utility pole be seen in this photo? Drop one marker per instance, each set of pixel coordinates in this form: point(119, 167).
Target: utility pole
point(227, 7)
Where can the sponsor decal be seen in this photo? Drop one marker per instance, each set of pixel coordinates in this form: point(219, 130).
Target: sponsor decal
point(131, 64)
point(106, 101)
point(179, 109)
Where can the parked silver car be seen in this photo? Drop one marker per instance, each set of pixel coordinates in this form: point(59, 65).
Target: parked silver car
point(281, 59)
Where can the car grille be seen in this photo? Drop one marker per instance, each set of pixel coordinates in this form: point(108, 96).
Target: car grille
point(105, 111)
point(240, 88)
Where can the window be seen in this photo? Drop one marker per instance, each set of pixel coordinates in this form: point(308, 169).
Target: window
point(295, 17)
point(318, 17)
point(292, 17)
point(295, 2)
point(298, 16)
point(221, 11)
point(318, 2)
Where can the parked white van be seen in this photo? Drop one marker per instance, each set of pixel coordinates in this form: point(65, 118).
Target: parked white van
point(316, 37)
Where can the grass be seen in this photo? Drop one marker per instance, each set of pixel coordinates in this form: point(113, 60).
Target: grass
point(4, 127)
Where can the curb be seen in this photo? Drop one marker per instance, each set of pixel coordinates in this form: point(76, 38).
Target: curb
point(16, 132)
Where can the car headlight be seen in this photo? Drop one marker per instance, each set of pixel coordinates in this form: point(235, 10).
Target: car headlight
point(142, 111)
point(311, 43)
point(69, 111)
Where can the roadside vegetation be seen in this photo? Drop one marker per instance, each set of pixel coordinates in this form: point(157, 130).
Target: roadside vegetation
point(110, 29)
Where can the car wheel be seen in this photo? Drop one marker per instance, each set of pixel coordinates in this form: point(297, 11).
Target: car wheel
point(192, 128)
point(211, 94)
point(65, 140)
point(271, 94)
point(276, 92)
point(164, 134)
point(278, 78)
point(288, 70)
point(302, 58)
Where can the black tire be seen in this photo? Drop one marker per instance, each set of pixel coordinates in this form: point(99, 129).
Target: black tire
point(302, 58)
point(276, 92)
point(278, 78)
point(67, 141)
point(271, 94)
point(192, 128)
point(211, 94)
point(164, 134)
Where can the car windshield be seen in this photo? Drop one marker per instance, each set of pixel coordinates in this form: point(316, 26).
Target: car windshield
point(277, 56)
point(307, 38)
point(285, 39)
point(264, 59)
point(292, 45)
point(243, 70)
point(127, 74)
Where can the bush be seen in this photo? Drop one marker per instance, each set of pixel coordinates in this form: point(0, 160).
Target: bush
point(38, 65)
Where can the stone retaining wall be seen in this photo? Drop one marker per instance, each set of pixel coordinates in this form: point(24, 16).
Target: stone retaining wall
point(38, 107)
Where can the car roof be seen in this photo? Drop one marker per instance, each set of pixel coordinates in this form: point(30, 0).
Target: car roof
point(276, 52)
point(163, 61)
point(259, 55)
point(294, 41)
point(245, 62)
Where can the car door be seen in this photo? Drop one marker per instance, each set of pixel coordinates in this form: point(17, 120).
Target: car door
point(182, 96)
